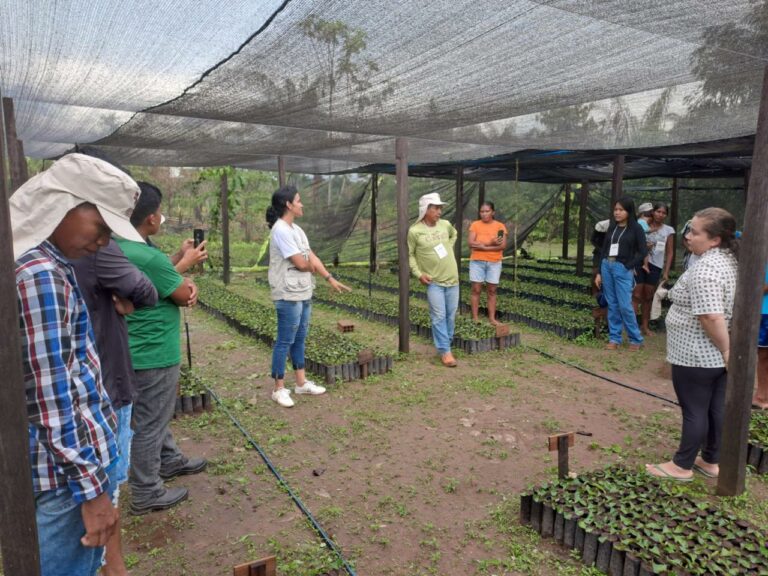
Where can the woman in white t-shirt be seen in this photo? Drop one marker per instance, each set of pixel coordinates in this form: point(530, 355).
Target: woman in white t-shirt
point(698, 344)
point(660, 240)
point(291, 267)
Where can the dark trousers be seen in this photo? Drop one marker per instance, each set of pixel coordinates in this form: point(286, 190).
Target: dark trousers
point(701, 392)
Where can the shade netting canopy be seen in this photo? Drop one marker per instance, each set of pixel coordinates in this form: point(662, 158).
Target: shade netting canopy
point(329, 84)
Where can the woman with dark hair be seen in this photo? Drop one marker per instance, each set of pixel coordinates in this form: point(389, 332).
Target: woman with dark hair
point(291, 266)
point(623, 250)
point(660, 241)
point(487, 240)
point(698, 343)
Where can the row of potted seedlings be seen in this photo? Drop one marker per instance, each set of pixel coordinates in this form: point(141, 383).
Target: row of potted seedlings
point(626, 524)
point(757, 454)
point(471, 337)
point(192, 397)
point(563, 321)
point(328, 354)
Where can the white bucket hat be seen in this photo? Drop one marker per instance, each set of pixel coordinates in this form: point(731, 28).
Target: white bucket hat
point(41, 203)
point(426, 200)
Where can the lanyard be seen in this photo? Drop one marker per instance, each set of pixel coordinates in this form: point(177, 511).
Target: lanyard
point(620, 235)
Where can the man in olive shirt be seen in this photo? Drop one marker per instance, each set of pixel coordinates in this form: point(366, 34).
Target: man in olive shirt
point(154, 339)
point(430, 256)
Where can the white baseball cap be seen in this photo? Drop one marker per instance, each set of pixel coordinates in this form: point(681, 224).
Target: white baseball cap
point(425, 201)
point(645, 207)
point(42, 202)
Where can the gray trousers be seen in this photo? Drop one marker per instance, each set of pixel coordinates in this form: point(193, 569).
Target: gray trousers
point(153, 445)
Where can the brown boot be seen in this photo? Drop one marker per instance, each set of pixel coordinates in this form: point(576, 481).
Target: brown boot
point(448, 360)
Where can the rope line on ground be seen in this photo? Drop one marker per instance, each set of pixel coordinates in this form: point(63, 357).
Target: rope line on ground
point(315, 524)
point(601, 377)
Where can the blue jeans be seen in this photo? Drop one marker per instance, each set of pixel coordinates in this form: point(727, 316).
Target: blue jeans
point(124, 435)
point(59, 529)
point(292, 327)
point(618, 283)
point(443, 303)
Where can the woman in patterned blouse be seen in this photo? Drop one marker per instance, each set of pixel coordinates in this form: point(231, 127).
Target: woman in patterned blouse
point(698, 344)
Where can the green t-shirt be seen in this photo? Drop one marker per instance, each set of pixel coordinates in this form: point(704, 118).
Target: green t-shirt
point(154, 332)
point(430, 251)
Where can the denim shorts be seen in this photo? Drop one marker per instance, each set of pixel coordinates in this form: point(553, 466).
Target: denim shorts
point(651, 278)
point(762, 340)
point(483, 271)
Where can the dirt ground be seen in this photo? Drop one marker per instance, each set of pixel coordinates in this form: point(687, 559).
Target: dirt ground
point(413, 472)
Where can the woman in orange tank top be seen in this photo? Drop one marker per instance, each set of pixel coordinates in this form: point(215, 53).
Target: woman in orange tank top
point(487, 239)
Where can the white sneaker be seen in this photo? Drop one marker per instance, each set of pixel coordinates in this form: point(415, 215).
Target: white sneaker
point(283, 397)
point(310, 388)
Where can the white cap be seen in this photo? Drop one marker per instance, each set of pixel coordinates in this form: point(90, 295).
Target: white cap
point(42, 202)
point(425, 201)
point(645, 207)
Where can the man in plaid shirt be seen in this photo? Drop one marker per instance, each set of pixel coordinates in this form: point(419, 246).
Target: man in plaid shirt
point(57, 216)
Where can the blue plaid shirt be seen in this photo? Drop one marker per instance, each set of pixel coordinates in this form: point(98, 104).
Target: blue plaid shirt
point(71, 421)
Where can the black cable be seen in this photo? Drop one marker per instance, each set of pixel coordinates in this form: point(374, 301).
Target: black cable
point(283, 483)
point(596, 375)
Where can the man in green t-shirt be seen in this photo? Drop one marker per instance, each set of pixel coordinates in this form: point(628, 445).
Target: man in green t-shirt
point(431, 258)
point(154, 338)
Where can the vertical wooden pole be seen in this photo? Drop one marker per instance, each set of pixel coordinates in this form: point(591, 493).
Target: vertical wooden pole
point(18, 530)
point(746, 315)
point(281, 179)
point(458, 220)
point(13, 148)
point(480, 195)
point(583, 197)
point(747, 174)
point(617, 182)
point(374, 223)
point(4, 169)
point(401, 174)
point(675, 218)
point(562, 456)
point(566, 220)
point(225, 227)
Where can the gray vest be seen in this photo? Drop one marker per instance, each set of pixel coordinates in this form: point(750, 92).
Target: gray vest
point(286, 282)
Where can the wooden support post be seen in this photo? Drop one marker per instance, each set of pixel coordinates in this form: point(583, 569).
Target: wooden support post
point(747, 174)
point(18, 531)
point(225, 227)
point(617, 182)
point(281, 179)
point(374, 223)
point(264, 567)
point(583, 197)
point(4, 171)
point(566, 220)
point(480, 195)
point(401, 175)
point(16, 160)
point(561, 443)
point(746, 317)
point(675, 218)
point(458, 220)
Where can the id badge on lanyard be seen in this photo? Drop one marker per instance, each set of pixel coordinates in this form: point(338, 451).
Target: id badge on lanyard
point(614, 250)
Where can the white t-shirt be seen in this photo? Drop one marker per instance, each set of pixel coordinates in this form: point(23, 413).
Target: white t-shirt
point(286, 282)
point(659, 240)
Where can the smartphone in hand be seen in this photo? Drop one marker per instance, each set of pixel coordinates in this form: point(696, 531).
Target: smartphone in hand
point(198, 236)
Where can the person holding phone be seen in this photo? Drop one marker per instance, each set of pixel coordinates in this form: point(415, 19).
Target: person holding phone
point(487, 240)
